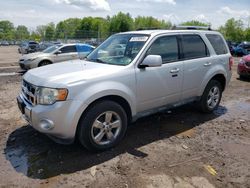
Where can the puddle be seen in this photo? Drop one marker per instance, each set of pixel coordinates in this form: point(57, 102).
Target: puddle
point(18, 159)
point(9, 74)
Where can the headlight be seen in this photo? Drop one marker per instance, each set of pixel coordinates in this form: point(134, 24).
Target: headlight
point(50, 95)
point(31, 59)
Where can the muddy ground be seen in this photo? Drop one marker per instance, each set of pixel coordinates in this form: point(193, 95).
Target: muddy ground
point(177, 148)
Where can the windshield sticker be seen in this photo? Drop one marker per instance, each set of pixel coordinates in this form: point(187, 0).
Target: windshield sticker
point(138, 39)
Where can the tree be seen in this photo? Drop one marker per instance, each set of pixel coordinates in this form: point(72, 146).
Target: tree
point(50, 31)
point(21, 32)
point(121, 22)
point(66, 29)
point(194, 23)
point(35, 36)
point(41, 30)
point(247, 34)
point(233, 30)
point(92, 28)
point(142, 22)
point(6, 30)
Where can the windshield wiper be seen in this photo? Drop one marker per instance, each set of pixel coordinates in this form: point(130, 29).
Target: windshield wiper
point(100, 61)
point(96, 60)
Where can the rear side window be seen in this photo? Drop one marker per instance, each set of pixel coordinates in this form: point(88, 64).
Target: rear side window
point(193, 47)
point(217, 43)
point(166, 47)
point(68, 49)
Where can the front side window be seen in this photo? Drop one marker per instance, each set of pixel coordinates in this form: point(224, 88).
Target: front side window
point(119, 49)
point(166, 47)
point(217, 43)
point(68, 49)
point(51, 49)
point(193, 47)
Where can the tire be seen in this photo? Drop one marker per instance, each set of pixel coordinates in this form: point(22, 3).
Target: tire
point(44, 63)
point(102, 126)
point(211, 97)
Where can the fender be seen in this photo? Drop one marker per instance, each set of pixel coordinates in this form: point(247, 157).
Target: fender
point(215, 70)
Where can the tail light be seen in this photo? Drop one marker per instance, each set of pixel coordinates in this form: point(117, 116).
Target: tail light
point(231, 62)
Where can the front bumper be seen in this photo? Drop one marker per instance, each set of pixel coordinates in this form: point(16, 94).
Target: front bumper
point(27, 64)
point(24, 65)
point(58, 120)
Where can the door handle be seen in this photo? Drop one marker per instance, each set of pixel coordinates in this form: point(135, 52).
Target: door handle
point(207, 64)
point(174, 70)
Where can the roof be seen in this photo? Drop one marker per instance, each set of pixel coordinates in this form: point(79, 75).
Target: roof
point(157, 32)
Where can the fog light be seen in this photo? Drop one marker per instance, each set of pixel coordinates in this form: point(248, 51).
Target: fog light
point(46, 124)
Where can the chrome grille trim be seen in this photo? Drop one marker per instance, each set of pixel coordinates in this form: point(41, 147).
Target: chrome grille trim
point(29, 92)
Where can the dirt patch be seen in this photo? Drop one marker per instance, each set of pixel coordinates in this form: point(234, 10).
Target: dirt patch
point(169, 149)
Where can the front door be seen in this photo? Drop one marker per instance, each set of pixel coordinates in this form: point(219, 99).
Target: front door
point(158, 86)
point(66, 53)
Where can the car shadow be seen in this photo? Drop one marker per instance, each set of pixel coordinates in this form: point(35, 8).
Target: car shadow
point(244, 79)
point(38, 157)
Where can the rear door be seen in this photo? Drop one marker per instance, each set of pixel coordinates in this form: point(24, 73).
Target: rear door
point(196, 63)
point(158, 86)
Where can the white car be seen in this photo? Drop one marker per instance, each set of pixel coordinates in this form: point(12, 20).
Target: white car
point(55, 54)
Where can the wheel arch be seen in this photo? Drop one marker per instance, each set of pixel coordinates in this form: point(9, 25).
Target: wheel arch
point(115, 98)
point(219, 76)
point(39, 64)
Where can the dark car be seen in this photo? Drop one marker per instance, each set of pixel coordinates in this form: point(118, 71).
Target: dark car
point(232, 46)
point(244, 67)
point(242, 49)
point(28, 47)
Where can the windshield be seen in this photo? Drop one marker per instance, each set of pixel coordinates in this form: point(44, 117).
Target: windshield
point(118, 49)
point(51, 49)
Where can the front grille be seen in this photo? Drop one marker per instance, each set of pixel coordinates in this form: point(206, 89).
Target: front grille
point(247, 64)
point(29, 92)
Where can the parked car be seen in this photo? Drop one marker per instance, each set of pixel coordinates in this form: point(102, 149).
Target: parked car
point(244, 67)
point(5, 43)
point(232, 46)
point(55, 54)
point(93, 100)
point(28, 47)
point(242, 49)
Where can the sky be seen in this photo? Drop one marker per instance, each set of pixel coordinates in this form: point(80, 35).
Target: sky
point(32, 13)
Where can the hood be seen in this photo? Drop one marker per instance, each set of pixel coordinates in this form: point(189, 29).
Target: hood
point(69, 73)
point(33, 55)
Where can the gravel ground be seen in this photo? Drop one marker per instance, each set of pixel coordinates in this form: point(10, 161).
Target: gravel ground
point(177, 148)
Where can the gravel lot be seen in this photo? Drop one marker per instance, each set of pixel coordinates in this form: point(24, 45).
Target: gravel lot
point(177, 148)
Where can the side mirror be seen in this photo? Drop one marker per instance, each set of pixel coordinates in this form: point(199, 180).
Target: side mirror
point(58, 52)
point(151, 61)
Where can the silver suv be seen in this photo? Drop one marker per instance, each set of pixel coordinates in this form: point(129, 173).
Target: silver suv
point(95, 99)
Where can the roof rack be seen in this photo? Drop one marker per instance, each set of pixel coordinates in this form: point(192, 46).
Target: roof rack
point(148, 28)
point(192, 27)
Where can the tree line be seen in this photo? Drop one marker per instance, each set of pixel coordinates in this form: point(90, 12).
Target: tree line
point(97, 27)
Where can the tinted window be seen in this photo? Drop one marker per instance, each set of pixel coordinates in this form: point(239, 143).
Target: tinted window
point(193, 47)
point(33, 43)
point(166, 47)
point(84, 48)
point(68, 49)
point(217, 43)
